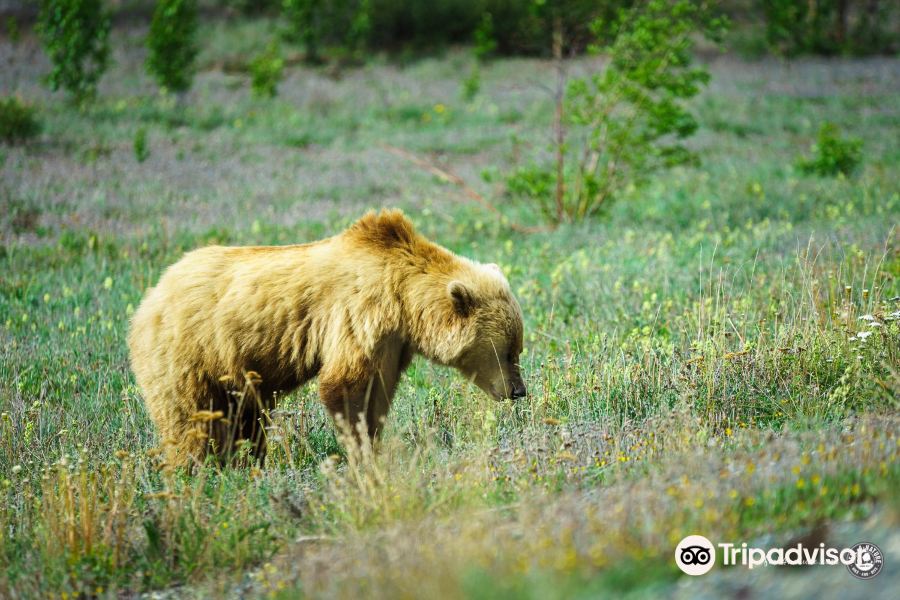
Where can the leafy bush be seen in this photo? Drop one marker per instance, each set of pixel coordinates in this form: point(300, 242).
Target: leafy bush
point(484, 38)
point(360, 30)
point(303, 26)
point(345, 25)
point(18, 121)
point(76, 37)
point(832, 154)
point(172, 43)
point(13, 30)
point(141, 151)
point(615, 127)
point(471, 85)
point(306, 22)
point(484, 46)
point(829, 26)
point(266, 72)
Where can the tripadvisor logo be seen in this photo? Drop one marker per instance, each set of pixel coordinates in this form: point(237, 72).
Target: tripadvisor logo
point(696, 555)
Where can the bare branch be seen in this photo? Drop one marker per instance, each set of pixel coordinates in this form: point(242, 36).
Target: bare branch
point(468, 192)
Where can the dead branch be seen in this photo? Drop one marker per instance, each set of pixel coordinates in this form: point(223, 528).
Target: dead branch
point(448, 176)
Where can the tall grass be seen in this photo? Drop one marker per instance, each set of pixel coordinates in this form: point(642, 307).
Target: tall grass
point(720, 354)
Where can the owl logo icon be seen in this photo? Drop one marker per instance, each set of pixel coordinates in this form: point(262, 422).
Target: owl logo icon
point(695, 555)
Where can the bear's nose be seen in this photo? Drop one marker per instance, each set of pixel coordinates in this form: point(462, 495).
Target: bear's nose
point(519, 392)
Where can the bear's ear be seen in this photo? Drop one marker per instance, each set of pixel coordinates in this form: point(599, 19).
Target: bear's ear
point(462, 297)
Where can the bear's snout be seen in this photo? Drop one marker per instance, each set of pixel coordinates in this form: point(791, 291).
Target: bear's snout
point(516, 388)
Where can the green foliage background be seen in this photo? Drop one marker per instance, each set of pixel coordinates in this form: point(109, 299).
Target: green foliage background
point(172, 43)
point(75, 35)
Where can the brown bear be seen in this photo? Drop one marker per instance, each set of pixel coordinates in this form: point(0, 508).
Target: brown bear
point(351, 310)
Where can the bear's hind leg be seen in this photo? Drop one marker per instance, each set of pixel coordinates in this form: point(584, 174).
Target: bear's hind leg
point(252, 431)
point(239, 435)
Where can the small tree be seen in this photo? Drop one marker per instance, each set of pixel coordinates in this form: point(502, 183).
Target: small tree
point(304, 19)
point(343, 25)
point(484, 39)
point(615, 127)
point(795, 26)
point(76, 37)
point(360, 15)
point(18, 121)
point(266, 71)
point(172, 43)
point(832, 154)
point(484, 45)
point(141, 149)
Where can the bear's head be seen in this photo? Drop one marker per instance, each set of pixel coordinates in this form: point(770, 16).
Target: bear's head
point(456, 311)
point(489, 322)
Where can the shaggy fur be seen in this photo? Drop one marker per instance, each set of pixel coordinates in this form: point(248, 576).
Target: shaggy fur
point(351, 310)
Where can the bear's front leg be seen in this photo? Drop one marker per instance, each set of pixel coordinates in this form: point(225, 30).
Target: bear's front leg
point(362, 393)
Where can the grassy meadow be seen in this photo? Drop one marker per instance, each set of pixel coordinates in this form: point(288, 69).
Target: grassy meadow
point(718, 354)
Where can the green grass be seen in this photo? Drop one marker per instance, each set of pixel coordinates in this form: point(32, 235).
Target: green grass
point(700, 344)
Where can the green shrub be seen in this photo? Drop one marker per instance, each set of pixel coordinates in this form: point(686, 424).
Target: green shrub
point(485, 41)
point(266, 71)
point(832, 154)
point(141, 150)
point(172, 43)
point(18, 121)
point(874, 31)
point(342, 25)
point(471, 85)
point(533, 183)
point(304, 26)
point(829, 26)
point(13, 30)
point(360, 30)
point(484, 46)
point(75, 34)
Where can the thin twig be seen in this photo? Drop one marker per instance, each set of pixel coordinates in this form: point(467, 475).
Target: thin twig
point(558, 127)
point(306, 539)
point(458, 181)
